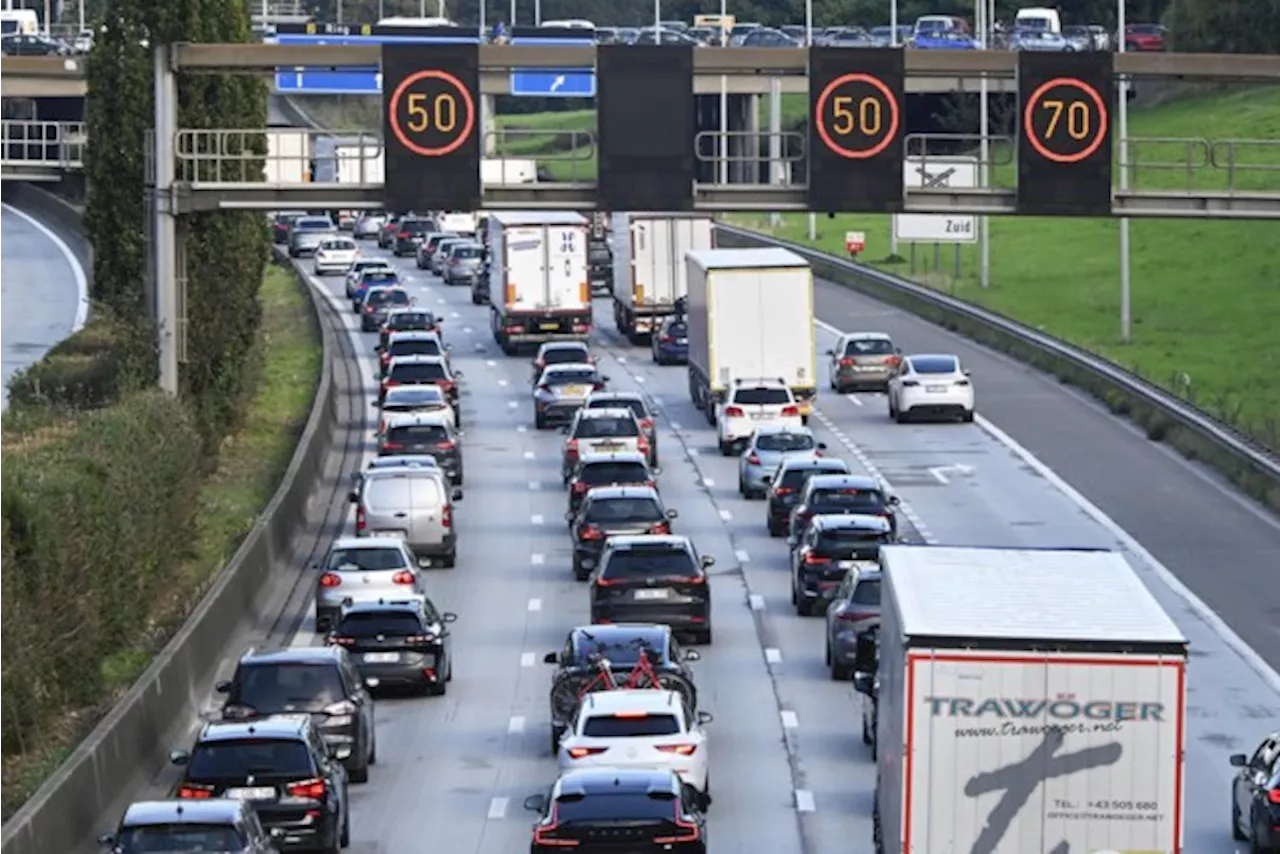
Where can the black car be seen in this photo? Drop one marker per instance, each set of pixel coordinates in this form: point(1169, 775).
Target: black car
point(1255, 797)
point(788, 483)
point(659, 579)
point(400, 642)
point(424, 433)
point(407, 320)
point(829, 548)
point(378, 303)
point(600, 266)
point(607, 810)
point(282, 766)
point(866, 681)
point(620, 644)
point(208, 824)
point(316, 680)
point(608, 511)
point(623, 468)
point(411, 231)
point(826, 494)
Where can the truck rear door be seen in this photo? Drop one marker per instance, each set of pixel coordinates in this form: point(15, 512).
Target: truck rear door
point(567, 286)
point(685, 235)
point(524, 248)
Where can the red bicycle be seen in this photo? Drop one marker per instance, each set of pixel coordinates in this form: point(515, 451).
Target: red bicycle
point(600, 675)
point(642, 675)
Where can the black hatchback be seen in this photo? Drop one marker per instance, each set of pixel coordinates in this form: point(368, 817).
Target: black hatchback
point(398, 642)
point(621, 468)
point(827, 494)
point(315, 680)
point(610, 511)
point(786, 485)
point(412, 230)
point(283, 768)
point(658, 579)
point(1255, 796)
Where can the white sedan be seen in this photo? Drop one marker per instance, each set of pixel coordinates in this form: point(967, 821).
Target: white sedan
point(931, 385)
point(335, 255)
point(639, 729)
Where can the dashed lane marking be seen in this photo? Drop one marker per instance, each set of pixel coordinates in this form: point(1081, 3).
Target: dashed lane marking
point(535, 604)
point(528, 455)
point(708, 482)
point(527, 659)
point(805, 801)
point(498, 808)
point(537, 560)
point(726, 515)
point(773, 655)
point(756, 602)
point(742, 556)
point(534, 486)
point(515, 725)
point(535, 519)
point(790, 720)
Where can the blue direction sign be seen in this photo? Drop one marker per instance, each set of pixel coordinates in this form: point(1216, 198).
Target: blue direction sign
point(553, 82)
point(348, 81)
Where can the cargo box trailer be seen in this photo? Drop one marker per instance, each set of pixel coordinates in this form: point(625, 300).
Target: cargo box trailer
point(538, 283)
point(649, 271)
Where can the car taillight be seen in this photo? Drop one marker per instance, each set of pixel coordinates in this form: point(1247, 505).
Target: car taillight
point(667, 339)
point(814, 560)
point(579, 486)
point(544, 387)
point(784, 490)
point(856, 616)
point(679, 749)
point(688, 831)
point(370, 309)
point(642, 444)
point(653, 484)
point(342, 707)
point(313, 789)
point(404, 235)
point(646, 424)
point(386, 357)
point(734, 412)
point(591, 532)
point(790, 411)
point(661, 528)
point(753, 459)
point(361, 524)
point(342, 640)
point(1274, 796)
point(331, 579)
point(544, 835)
point(445, 386)
point(392, 446)
point(598, 386)
point(389, 382)
point(539, 363)
point(845, 363)
point(446, 516)
point(195, 791)
point(404, 576)
point(584, 752)
point(571, 448)
point(893, 361)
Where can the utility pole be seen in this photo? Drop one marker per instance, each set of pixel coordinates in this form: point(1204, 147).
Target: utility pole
point(1126, 307)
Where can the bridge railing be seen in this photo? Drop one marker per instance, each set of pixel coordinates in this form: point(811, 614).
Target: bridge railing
point(43, 145)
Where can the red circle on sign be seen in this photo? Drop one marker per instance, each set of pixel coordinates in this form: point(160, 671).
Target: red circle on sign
point(394, 110)
point(890, 100)
point(1028, 126)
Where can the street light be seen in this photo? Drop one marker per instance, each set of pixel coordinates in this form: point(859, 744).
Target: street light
point(1126, 313)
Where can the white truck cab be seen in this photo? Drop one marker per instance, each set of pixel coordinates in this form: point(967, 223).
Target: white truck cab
point(1038, 18)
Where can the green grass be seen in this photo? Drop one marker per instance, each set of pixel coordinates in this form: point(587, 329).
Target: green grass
point(563, 143)
point(1206, 293)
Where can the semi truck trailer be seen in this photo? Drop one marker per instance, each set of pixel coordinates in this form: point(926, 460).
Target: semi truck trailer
point(649, 272)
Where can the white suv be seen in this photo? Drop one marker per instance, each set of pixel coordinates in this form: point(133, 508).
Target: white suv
point(752, 404)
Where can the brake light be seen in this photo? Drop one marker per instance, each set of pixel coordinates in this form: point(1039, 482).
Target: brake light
point(689, 831)
point(195, 791)
point(542, 835)
point(846, 362)
point(790, 412)
point(591, 532)
point(386, 357)
point(584, 752)
point(962, 382)
point(404, 235)
point(661, 528)
point(784, 490)
point(598, 387)
point(313, 789)
point(679, 749)
point(579, 486)
point(1274, 796)
point(389, 382)
point(361, 524)
point(667, 339)
point(342, 640)
point(753, 459)
point(445, 446)
point(446, 386)
point(392, 446)
point(893, 361)
point(331, 579)
point(369, 309)
point(571, 448)
point(856, 616)
point(404, 576)
point(734, 412)
point(539, 363)
point(646, 424)
point(814, 560)
point(643, 445)
point(446, 516)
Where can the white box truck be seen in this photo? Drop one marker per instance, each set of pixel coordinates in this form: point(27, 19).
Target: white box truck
point(288, 159)
point(1030, 700)
point(538, 286)
point(649, 272)
point(750, 316)
point(505, 171)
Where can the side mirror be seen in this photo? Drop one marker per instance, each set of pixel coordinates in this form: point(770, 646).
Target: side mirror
point(106, 840)
point(692, 655)
point(1238, 760)
point(223, 687)
point(450, 347)
point(895, 500)
point(456, 495)
point(374, 376)
point(449, 617)
point(564, 430)
point(375, 404)
point(413, 300)
point(536, 803)
point(605, 379)
point(705, 718)
point(179, 757)
point(831, 352)
point(822, 446)
point(315, 565)
point(457, 374)
point(767, 480)
point(673, 514)
point(708, 561)
point(377, 348)
point(862, 683)
point(967, 372)
point(353, 496)
point(791, 542)
point(372, 682)
point(551, 658)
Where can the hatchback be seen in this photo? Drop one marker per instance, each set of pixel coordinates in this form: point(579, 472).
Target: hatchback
point(608, 511)
point(835, 494)
point(413, 399)
point(656, 579)
point(854, 609)
point(408, 320)
point(335, 255)
point(831, 547)
point(419, 370)
point(424, 433)
point(670, 344)
point(410, 232)
point(378, 303)
point(600, 431)
point(787, 485)
point(766, 450)
point(645, 414)
point(306, 233)
point(862, 360)
point(358, 568)
point(561, 391)
point(402, 641)
point(411, 343)
point(224, 825)
point(462, 264)
point(623, 468)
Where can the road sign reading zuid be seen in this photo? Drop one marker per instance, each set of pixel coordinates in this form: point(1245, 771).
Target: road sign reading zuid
point(431, 126)
point(855, 129)
point(1064, 140)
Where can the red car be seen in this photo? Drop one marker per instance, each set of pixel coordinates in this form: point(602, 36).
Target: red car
point(1146, 37)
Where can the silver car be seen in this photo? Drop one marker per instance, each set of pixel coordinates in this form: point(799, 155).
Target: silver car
point(442, 253)
point(863, 360)
point(368, 226)
point(645, 414)
point(307, 233)
point(361, 568)
point(413, 504)
point(766, 450)
point(561, 390)
point(854, 609)
point(462, 263)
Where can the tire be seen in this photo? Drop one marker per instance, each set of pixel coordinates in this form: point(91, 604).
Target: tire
point(704, 638)
point(450, 560)
point(774, 530)
point(1235, 821)
point(967, 417)
point(373, 752)
point(539, 423)
point(742, 487)
point(345, 839)
point(726, 449)
point(901, 417)
point(866, 734)
point(841, 672)
point(580, 574)
point(360, 774)
point(475, 300)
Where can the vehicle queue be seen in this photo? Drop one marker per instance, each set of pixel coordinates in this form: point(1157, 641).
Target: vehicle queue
point(631, 743)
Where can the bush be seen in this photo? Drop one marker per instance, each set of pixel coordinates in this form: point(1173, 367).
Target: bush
point(88, 370)
point(95, 521)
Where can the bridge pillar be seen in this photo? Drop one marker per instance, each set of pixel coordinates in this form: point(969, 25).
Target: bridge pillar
point(488, 127)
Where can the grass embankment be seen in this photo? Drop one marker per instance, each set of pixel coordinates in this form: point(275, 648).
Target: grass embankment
point(563, 143)
point(250, 465)
point(1205, 293)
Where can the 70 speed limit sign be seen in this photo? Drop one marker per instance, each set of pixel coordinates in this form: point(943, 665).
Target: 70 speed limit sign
point(938, 173)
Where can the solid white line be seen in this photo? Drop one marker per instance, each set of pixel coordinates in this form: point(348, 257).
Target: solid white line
point(77, 272)
point(527, 659)
point(515, 725)
point(535, 604)
point(790, 720)
point(537, 560)
point(534, 486)
point(708, 482)
point(498, 808)
point(756, 602)
point(742, 556)
point(726, 515)
point(528, 455)
point(535, 520)
point(805, 801)
point(773, 655)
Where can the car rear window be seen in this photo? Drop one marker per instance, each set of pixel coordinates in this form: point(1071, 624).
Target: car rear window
point(417, 226)
point(418, 372)
point(379, 277)
point(849, 500)
point(599, 255)
point(851, 544)
point(637, 407)
point(643, 564)
point(372, 559)
point(679, 330)
point(868, 347)
point(934, 365)
point(434, 241)
point(561, 355)
point(602, 473)
point(415, 347)
point(289, 686)
point(625, 510)
point(339, 245)
point(372, 625)
point(388, 296)
point(785, 442)
point(409, 396)
point(613, 807)
point(571, 377)
point(237, 760)
point(761, 396)
point(630, 726)
point(795, 478)
point(312, 224)
point(176, 838)
point(867, 592)
point(605, 428)
point(412, 320)
point(465, 252)
point(418, 434)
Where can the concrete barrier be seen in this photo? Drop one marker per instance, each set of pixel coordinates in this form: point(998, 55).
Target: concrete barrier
point(124, 752)
point(1163, 416)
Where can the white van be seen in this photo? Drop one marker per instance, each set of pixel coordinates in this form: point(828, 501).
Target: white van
point(15, 22)
point(1038, 19)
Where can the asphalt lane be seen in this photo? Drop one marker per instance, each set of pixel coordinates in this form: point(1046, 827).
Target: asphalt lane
point(41, 291)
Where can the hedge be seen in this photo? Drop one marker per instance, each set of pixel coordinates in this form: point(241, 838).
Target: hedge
point(88, 370)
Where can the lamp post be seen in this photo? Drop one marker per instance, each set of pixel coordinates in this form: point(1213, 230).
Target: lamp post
point(723, 177)
point(893, 42)
point(986, 11)
point(1126, 307)
point(808, 43)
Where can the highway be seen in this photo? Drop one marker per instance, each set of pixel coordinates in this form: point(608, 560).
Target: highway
point(789, 770)
point(43, 292)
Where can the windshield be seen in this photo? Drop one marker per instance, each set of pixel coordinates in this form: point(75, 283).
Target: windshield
point(868, 347)
point(416, 347)
point(289, 687)
point(761, 396)
point(365, 560)
point(631, 726)
point(401, 624)
point(849, 500)
point(174, 838)
point(783, 442)
point(643, 564)
point(418, 372)
point(418, 434)
point(625, 510)
point(607, 428)
point(851, 544)
point(411, 396)
point(599, 256)
point(586, 375)
point(603, 473)
point(237, 760)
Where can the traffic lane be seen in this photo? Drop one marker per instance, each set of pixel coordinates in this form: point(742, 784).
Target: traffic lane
point(1212, 539)
point(40, 291)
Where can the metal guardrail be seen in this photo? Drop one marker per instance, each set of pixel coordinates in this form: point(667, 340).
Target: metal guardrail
point(1248, 454)
point(43, 145)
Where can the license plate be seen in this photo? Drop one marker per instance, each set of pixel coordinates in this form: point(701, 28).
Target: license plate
point(652, 594)
point(760, 416)
point(606, 446)
point(682, 340)
point(381, 657)
point(574, 391)
point(252, 793)
point(549, 326)
point(400, 534)
point(935, 388)
point(848, 564)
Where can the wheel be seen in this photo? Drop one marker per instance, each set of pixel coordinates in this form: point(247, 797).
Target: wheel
point(742, 487)
point(726, 448)
point(866, 733)
point(841, 672)
point(967, 417)
point(346, 830)
point(448, 676)
point(826, 653)
point(334, 844)
point(775, 530)
point(449, 560)
point(555, 739)
point(795, 598)
point(900, 416)
point(475, 300)
point(539, 423)
point(703, 638)
point(580, 573)
point(373, 752)
point(1236, 833)
point(360, 774)
point(441, 688)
